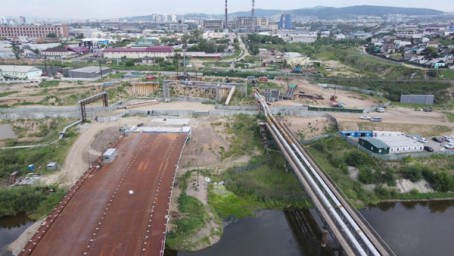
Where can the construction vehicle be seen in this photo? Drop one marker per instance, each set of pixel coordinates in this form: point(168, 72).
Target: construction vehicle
point(290, 91)
point(263, 79)
point(336, 104)
point(297, 69)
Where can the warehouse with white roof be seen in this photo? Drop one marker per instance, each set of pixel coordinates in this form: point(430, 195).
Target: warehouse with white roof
point(391, 144)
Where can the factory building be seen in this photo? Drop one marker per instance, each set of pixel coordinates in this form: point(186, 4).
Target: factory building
point(137, 53)
point(19, 72)
point(213, 25)
point(33, 31)
point(374, 145)
point(391, 144)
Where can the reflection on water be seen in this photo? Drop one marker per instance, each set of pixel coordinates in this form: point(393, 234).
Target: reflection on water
point(415, 228)
point(10, 229)
point(267, 234)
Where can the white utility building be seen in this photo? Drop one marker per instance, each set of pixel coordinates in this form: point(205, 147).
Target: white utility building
point(20, 72)
point(401, 144)
point(109, 155)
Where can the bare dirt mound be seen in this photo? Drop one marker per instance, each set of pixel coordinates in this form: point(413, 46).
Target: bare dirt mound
point(105, 138)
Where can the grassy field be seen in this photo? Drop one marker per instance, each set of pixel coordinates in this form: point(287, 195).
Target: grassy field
point(192, 217)
point(18, 159)
point(334, 155)
point(244, 133)
point(4, 94)
point(34, 201)
point(450, 117)
point(50, 83)
point(394, 88)
point(269, 186)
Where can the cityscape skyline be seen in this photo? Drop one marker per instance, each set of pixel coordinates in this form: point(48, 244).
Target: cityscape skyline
point(97, 9)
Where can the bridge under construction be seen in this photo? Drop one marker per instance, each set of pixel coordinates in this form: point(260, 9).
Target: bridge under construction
point(120, 208)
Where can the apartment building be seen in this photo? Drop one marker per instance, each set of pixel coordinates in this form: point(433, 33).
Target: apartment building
point(33, 31)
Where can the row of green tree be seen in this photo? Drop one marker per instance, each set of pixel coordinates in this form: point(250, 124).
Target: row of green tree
point(340, 155)
point(33, 201)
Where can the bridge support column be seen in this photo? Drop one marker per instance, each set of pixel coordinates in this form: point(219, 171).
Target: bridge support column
point(324, 238)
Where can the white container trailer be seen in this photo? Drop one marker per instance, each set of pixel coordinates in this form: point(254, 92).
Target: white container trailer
point(387, 133)
point(109, 155)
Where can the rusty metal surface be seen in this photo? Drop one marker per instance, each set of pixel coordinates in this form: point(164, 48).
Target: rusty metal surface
point(104, 218)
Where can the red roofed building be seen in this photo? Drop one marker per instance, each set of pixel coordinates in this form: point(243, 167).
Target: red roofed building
point(138, 53)
point(65, 51)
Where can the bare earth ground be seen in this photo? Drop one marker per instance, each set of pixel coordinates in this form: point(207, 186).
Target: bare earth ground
point(349, 99)
point(308, 127)
point(405, 186)
point(27, 92)
point(399, 119)
point(339, 69)
point(203, 151)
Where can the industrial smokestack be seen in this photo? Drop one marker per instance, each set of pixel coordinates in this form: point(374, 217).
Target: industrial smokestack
point(226, 13)
point(253, 17)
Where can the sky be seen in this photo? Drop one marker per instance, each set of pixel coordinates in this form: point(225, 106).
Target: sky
point(102, 9)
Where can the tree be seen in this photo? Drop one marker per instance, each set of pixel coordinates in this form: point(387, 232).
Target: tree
point(176, 61)
point(17, 51)
point(129, 63)
point(51, 35)
point(413, 173)
point(80, 36)
point(431, 52)
point(443, 182)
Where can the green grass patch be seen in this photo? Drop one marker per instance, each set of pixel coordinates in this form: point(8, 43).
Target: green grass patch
point(4, 94)
point(334, 154)
point(267, 186)
point(245, 136)
point(450, 117)
point(447, 74)
point(12, 160)
point(394, 88)
point(18, 159)
point(49, 83)
point(192, 217)
point(118, 92)
point(227, 205)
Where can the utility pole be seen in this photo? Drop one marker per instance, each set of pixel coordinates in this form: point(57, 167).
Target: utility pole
point(253, 17)
point(197, 181)
point(100, 68)
point(226, 17)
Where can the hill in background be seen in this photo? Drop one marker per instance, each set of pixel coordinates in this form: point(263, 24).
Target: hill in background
point(334, 13)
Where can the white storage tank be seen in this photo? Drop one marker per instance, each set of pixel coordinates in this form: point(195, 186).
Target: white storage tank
point(109, 155)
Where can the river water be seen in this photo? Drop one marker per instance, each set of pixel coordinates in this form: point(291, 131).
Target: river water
point(415, 229)
point(267, 234)
point(410, 229)
point(10, 229)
